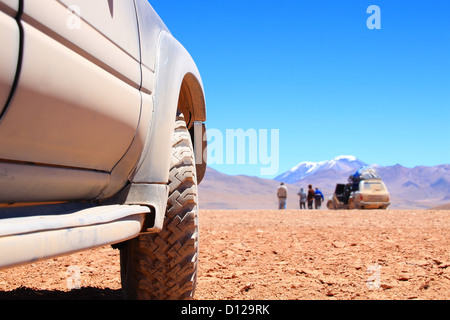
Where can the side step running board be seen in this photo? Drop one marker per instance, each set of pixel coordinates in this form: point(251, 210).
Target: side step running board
point(41, 232)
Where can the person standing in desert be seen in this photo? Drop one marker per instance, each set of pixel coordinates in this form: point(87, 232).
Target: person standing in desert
point(282, 195)
point(310, 197)
point(318, 198)
point(302, 196)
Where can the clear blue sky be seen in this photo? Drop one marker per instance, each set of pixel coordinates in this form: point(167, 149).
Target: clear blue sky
point(313, 70)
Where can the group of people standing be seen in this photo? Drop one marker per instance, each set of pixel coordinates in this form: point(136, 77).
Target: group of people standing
point(310, 197)
point(313, 196)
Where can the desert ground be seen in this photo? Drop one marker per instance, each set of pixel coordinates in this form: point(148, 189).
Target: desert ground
point(277, 255)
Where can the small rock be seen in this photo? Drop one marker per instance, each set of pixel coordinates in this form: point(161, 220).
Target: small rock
point(425, 286)
point(247, 287)
point(327, 280)
point(403, 278)
point(329, 294)
point(338, 244)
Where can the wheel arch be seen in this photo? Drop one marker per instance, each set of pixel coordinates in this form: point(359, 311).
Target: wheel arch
point(191, 101)
point(179, 88)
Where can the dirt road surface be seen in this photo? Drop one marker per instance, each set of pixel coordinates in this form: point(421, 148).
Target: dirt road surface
point(277, 255)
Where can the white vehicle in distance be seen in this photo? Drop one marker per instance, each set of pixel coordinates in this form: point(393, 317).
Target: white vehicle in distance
point(101, 109)
point(365, 190)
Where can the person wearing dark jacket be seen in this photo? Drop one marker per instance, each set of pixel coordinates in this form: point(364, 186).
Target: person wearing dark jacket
point(310, 197)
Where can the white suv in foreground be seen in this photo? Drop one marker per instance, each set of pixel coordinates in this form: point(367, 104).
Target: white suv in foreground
point(101, 109)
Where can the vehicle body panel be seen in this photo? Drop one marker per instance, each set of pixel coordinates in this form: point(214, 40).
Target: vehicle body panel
point(9, 49)
point(32, 183)
point(66, 110)
point(77, 104)
point(115, 20)
point(150, 27)
point(10, 5)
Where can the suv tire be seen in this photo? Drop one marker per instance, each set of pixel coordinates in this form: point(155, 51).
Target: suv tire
point(163, 266)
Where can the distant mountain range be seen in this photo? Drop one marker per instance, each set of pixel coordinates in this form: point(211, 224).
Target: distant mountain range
point(410, 188)
point(305, 169)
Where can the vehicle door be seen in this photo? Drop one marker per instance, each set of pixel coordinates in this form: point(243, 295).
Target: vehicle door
point(9, 48)
point(77, 103)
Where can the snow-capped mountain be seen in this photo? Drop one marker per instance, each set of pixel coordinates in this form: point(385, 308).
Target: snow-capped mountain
point(341, 164)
